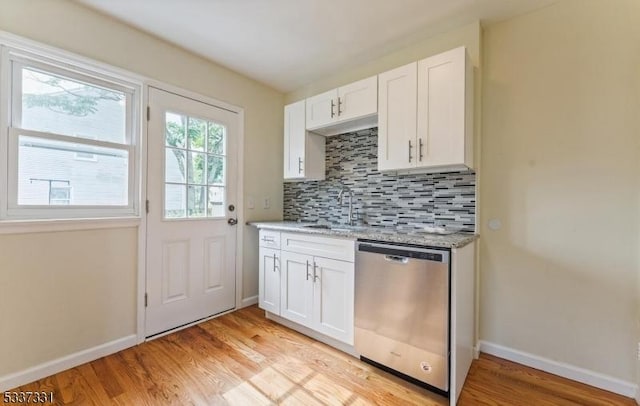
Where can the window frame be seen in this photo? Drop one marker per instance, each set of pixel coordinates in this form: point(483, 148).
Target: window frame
point(12, 61)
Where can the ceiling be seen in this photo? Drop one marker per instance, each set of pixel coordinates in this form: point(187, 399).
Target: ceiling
point(289, 43)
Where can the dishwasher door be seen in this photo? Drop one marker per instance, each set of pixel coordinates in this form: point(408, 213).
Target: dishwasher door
point(402, 310)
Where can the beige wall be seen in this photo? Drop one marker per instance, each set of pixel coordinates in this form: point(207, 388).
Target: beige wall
point(561, 156)
point(64, 292)
point(69, 26)
point(468, 35)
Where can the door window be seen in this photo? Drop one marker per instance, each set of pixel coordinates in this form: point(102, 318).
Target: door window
point(195, 163)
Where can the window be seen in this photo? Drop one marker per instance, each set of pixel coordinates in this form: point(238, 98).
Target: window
point(71, 148)
point(194, 167)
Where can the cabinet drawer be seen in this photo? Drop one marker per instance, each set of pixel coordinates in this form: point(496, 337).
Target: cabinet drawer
point(326, 247)
point(269, 239)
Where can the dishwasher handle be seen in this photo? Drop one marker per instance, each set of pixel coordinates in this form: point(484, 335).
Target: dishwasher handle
point(396, 259)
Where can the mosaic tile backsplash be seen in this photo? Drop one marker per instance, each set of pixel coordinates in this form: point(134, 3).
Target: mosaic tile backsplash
point(407, 202)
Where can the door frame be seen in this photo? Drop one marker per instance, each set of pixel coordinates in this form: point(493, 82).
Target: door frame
point(142, 230)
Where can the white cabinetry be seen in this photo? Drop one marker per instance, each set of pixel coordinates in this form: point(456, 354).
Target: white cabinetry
point(304, 152)
point(315, 278)
point(347, 108)
point(426, 114)
point(269, 268)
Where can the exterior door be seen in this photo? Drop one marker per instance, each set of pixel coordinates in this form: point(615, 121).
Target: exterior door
point(191, 187)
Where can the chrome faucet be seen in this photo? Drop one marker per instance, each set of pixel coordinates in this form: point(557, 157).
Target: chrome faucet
point(350, 201)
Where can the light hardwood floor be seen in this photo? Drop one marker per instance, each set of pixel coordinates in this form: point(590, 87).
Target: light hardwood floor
point(244, 359)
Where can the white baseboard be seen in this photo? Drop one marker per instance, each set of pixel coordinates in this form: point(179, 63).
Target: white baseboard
point(476, 350)
point(562, 369)
point(61, 364)
point(248, 301)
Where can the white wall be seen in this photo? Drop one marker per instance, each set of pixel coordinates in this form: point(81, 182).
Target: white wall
point(88, 295)
point(561, 170)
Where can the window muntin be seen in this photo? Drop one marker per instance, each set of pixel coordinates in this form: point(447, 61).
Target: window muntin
point(71, 142)
point(194, 167)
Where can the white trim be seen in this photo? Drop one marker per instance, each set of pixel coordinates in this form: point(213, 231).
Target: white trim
point(248, 301)
point(60, 55)
point(240, 212)
point(61, 364)
point(193, 95)
point(47, 226)
point(562, 369)
point(142, 231)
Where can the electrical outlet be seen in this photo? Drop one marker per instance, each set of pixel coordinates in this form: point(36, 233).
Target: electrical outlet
point(251, 203)
point(638, 351)
point(266, 203)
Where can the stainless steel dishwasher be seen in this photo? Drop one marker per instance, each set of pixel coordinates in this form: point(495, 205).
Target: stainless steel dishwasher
point(402, 311)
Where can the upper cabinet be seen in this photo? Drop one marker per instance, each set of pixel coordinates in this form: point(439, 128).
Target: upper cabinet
point(304, 152)
point(348, 108)
point(426, 114)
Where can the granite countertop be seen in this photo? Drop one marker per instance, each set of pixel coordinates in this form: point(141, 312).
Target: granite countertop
point(386, 234)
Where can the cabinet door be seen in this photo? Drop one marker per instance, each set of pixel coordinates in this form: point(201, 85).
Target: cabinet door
point(333, 298)
point(358, 99)
point(294, 140)
point(269, 280)
point(441, 109)
point(322, 109)
point(397, 92)
point(296, 289)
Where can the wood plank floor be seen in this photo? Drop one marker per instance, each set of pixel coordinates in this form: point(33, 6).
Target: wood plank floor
point(244, 359)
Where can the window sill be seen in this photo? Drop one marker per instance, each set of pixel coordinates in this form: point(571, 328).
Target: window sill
point(47, 226)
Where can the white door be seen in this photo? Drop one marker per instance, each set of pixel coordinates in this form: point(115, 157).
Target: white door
point(397, 93)
point(358, 99)
point(334, 298)
point(296, 292)
point(441, 109)
point(269, 280)
point(322, 109)
point(191, 187)
point(294, 139)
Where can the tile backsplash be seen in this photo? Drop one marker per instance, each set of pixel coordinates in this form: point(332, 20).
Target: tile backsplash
point(381, 199)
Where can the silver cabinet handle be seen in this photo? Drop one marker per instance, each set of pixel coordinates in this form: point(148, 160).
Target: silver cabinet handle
point(333, 105)
point(299, 164)
point(339, 106)
point(420, 149)
point(265, 239)
point(275, 267)
point(315, 276)
point(410, 148)
point(308, 270)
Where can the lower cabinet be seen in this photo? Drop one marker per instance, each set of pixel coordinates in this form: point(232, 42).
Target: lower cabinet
point(318, 293)
point(313, 291)
point(269, 279)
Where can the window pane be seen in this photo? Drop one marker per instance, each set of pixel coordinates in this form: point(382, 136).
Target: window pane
point(215, 169)
point(196, 168)
point(215, 138)
point(196, 201)
point(175, 201)
point(174, 130)
point(56, 104)
point(50, 174)
point(216, 202)
point(197, 131)
point(174, 166)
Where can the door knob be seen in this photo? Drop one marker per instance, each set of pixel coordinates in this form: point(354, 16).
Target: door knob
point(232, 222)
